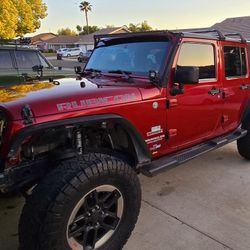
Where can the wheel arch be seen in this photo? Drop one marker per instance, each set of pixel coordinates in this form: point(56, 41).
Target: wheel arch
point(245, 118)
point(141, 149)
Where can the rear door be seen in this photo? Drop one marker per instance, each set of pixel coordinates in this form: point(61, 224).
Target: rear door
point(195, 115)
point(26, 61)
point(236, 83)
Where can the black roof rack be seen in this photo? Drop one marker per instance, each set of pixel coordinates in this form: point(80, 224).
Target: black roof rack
point(214, 33)
point(218, 33)
point(16, 42)
point(242, 38)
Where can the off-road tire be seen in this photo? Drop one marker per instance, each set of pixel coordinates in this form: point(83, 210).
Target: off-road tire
point(243, 144)
point(44, 219)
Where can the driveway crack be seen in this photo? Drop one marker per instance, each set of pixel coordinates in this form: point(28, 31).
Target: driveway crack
point(188, 225)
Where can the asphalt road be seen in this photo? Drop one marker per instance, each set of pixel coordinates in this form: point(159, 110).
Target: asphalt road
point(66, 63)
point(201, 205)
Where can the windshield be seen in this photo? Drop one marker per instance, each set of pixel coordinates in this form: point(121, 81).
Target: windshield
point(135, 57)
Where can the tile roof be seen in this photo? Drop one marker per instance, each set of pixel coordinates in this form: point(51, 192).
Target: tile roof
point(42, 37)
point(63, 39)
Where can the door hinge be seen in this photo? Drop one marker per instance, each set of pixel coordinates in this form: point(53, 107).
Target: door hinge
point(172, 103)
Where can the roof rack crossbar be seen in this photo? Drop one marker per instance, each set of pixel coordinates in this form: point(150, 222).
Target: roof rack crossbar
point(243, 39)
point(16, 42)
point(219, 33)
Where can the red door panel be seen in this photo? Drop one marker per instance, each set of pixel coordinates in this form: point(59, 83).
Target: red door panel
point(197, 113)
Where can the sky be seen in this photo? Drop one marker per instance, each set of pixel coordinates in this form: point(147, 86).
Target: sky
point(160, 14)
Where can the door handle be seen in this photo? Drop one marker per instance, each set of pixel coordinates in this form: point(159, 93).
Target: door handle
point(244, 86)
point(214, 92)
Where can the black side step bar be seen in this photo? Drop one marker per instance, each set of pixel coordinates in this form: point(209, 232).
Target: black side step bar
point(171, 161)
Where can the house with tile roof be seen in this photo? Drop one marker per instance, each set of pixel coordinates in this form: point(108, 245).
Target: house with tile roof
point(86, 42)
point(40, 38)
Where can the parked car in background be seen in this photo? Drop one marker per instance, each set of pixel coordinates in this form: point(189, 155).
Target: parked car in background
point(60, 52)
point(84, 57)
point(69, 52)
point(20, 64)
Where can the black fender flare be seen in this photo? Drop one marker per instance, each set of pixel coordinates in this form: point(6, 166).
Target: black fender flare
point(246, 113)
point(141, 149)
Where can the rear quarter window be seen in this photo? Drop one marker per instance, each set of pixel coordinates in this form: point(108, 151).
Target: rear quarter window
point(5, 60)
point(235, 62)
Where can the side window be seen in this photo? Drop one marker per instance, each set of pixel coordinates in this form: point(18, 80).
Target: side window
point(5, 60)
point(235, 61)
point(198, 55)
point(27, 59)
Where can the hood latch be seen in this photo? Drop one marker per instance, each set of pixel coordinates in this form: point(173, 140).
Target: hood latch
point(27, 115)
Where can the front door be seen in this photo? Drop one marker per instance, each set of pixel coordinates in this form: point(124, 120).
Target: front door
point(195, 115)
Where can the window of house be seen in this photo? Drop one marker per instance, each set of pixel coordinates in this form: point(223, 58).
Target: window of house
point(198, 55)
point(235, 61)
point(5, 60)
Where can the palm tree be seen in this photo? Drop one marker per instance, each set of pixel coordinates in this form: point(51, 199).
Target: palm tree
point(86, 7)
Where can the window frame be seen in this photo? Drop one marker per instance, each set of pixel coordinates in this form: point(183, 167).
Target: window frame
point(214, 79)
point(247, 63)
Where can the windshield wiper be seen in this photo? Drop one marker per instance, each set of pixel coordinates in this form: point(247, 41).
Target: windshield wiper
point(122, 72)
point(91, 70)
point(125, 74)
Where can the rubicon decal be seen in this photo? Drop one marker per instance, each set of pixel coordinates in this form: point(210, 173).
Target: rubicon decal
point(96, 102)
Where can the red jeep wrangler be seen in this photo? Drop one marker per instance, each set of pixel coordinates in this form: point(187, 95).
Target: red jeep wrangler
point(145, 102)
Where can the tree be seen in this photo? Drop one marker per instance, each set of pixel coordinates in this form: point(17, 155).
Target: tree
point(110, 26)
point(89, 30)
point(8, 19)
point(18, 18)
point(144, 26)
point(79, 28)
point(66, 32)
point(86, 7)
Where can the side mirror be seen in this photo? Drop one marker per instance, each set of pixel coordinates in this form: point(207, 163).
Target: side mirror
point(39, 70)
point(187, 75)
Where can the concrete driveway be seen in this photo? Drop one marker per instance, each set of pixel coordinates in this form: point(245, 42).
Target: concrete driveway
point(201, 205)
